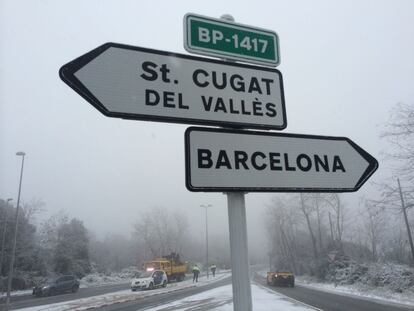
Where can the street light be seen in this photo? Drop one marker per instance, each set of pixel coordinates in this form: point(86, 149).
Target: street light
point(9, 283)
point(3, 239)
point(206, 206)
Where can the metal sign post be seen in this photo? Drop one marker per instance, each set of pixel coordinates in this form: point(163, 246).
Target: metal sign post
point(239, 254)
point(240, 272)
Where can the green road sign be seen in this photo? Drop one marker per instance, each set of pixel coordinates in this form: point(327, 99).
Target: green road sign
point(220, 38)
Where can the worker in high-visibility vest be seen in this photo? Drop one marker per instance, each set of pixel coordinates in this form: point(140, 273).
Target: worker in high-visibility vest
point(196, 272)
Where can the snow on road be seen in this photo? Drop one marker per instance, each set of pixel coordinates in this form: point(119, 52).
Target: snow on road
point(371, 293)
point(122, 296)
point(220, 299)
point(357, 290)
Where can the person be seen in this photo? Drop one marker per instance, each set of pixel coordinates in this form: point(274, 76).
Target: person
point(196, 272)
point(213, 269)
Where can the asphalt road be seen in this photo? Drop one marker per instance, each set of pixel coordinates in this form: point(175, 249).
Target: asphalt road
point(329, 301)
point(25, 301)
point(319, 299)
point(162, 299)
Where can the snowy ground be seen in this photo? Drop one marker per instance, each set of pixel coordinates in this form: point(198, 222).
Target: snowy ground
point(380, 293)
point(122, 296)
point(16, 293)
point(101, 279)
point(91, 280)
point(359, 290)
point(220, 299)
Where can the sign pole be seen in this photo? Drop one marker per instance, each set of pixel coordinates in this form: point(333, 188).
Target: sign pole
point(239, 254)
point(242, 295)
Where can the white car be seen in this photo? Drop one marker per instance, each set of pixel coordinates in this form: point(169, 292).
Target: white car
point(150, 280)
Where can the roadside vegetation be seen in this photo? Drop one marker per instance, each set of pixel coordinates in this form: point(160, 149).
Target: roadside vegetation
point(370, 242)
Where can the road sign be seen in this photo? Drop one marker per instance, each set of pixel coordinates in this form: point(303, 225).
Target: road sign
point(230, 160)
point(220, 38)
point(129, 82)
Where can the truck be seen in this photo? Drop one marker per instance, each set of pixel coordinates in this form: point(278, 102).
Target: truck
point(171, 264)
point(279, 278)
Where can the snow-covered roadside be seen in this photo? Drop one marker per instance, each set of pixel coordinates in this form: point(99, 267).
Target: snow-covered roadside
point(122, 296)
point(357, 290)
point(90, 280)
point(16, 293)
point(220, 299)
point(93, 280)
point(96, 279)
point(377, 293)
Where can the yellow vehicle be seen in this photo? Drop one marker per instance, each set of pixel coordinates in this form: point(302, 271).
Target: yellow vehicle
point(171, 264)
point(280, 278)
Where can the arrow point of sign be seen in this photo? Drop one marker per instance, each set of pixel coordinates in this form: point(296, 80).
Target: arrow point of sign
point(372, 164)
point(67, 74)
point(74, 65)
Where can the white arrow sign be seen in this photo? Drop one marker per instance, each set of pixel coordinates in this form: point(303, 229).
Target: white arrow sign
point(231, 160)
point(136, 83)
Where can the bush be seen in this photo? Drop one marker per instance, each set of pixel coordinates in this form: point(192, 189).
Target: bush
point(397, 278)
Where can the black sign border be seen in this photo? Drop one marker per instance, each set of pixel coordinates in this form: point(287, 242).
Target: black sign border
point(372, 167)
point(68, 70)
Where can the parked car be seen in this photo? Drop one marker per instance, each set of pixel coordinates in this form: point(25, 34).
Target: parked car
point(150, 280)
point(62, 284)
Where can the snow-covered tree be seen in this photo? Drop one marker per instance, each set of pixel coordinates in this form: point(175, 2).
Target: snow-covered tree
point(71, 254)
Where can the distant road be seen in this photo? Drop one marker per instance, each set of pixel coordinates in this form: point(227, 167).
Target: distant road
point(329, 301)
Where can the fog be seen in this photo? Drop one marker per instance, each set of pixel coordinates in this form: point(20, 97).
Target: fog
point(345, 64)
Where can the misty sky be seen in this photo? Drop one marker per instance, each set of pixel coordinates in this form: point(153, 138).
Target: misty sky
point(345, 64)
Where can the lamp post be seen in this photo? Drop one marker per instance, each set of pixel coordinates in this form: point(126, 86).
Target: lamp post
point(206, 206)
point(9, 283)
point(3, 238)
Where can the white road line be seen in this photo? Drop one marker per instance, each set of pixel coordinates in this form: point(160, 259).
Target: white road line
point(289, 298)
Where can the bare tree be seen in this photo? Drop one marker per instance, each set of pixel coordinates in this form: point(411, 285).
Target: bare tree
point(399, 132)
point(374, 225)
point(337, 208)
point(30, 209)
point(307, 209)
point(320, 205)
point(397, 199)
point(161, 232)
point(113, 252)
point(404, 206)
point(280, 224)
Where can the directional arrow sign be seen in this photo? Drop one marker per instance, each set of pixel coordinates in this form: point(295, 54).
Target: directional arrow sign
point(230, 160)
point(129, 82)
